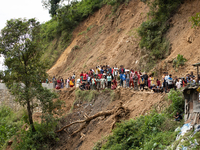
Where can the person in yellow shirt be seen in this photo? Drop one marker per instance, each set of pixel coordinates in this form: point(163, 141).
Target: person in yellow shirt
point(142, 83)
point(152, 81)
point(71, 84)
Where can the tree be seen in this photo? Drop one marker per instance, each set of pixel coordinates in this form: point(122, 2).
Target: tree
point(51, 5)
point(20, 45)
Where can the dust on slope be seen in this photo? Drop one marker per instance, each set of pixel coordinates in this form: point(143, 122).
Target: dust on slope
point(138, 103)
point(104, 38)
point(183, 39)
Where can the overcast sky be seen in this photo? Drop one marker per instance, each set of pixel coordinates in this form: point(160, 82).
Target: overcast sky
point(13, 9)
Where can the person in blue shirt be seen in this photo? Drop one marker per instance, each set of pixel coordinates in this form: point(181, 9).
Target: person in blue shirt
point(124, 79)
point(170, 82)
point(102, 71)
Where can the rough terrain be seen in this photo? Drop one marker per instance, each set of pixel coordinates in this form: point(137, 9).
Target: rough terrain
point(137, 102)
point(106, 38)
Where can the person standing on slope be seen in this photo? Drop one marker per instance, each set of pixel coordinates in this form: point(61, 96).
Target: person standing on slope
point(135, 80)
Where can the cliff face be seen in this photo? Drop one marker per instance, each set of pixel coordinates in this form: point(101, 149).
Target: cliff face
point(111, 38)
point(104, 38)
point(184, 40)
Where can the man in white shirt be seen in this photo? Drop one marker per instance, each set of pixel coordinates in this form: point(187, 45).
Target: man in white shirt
point(178, 84)
point(166, 82)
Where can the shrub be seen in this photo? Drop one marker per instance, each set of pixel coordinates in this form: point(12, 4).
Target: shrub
point(40, 140)
point(153, 131)
point(179, 61)
point(75, 47)
point(178, 102)
point(10, 123)
point(152, 30)
point(195, 20)
point(142, 133)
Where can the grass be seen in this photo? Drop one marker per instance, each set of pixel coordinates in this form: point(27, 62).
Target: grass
point(86, 95)
point(83, 32)
point(10, 123)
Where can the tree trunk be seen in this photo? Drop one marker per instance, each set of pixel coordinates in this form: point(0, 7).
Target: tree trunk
point(30, 116)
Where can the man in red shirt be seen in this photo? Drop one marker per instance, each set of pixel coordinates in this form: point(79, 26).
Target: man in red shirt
point(81, 75)
point(100, 76)
point(84, 76)
point(158, 83)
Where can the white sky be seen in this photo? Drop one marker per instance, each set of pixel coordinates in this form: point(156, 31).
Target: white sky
point(13, 9)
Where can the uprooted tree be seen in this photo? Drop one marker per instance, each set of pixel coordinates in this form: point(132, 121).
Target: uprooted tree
point(118, 112)
point(20, 45)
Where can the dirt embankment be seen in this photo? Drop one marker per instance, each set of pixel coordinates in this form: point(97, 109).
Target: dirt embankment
point(137, 103)
point(183, 39)
point(106, 38)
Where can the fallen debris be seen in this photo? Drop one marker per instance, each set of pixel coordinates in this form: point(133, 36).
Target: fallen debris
point(118, 113)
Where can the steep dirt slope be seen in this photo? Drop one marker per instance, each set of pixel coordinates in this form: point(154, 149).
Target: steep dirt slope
point(184, 40)
point(138, 103)
point(104, 38)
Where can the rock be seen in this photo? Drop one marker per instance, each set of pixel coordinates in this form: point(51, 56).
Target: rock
point(143, 51)
point(190, 39)
point(170, 60)
point(141, 99)
point(10, 142)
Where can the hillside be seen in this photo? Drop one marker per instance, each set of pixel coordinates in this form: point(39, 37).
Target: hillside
point(140, 119)
point(137, 103)
point(106, 38)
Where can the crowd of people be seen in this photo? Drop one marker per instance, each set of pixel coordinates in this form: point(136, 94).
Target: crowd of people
point(104, 76)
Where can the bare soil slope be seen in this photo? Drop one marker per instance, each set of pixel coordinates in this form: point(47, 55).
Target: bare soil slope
point(104, 38)
point(183, 39)
point(138, 103)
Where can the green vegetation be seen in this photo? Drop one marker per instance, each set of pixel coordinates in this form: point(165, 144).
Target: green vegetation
point(75, 47)
point(152, 31)
point(179, 61)
point(10, 123)
point(20, 45)
point(86, 95)
point(13, 127)
point(51, 5)
point(115, 3)
point(56, 34)
point(153, 131)
point(178, 102)
point(42, 139)
point(195, 20)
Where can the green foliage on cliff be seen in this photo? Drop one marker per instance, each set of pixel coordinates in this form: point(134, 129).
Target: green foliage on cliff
point(152, 31)
point(56, 34)
point(10, 123)
point(195, 20)
point(152, 131)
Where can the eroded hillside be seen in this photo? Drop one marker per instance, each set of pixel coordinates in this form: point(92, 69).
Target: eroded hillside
point(136, 104)
point(104, 38)
point(111, 38)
